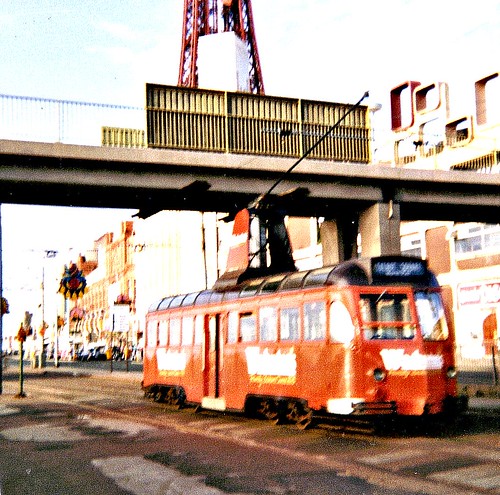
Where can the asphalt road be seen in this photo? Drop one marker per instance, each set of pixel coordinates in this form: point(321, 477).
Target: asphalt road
point(89, 431)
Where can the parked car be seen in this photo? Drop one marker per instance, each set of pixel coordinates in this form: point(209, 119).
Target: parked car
point(91, 354)
point(82, 354)
point(97, 354)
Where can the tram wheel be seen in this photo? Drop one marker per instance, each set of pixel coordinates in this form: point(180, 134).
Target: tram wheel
point(159, 395)
point(174, 397)
point(299, 414)
point(268, 409)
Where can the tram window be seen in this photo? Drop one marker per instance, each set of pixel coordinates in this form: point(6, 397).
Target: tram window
point(230, 295)
point(293, 281)
point(163, 333)
point(216, 297)
point(199, 328)
point(431, 316)
point(248, 327)
point(151, 338)
point(268, 324)
point(251, 288)
point(232, 327)
point(175, 331)
point(317, 277)
point(187, 330)
point(203, 297)
point(314, 320)
point(378, 310)
point(271, 285)
point(154, 306)
point(177, 301)
point(289, 323)
point(189, 299)
point(165, 303)
point(341, 326)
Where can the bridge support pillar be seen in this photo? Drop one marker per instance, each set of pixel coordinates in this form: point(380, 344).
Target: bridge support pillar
point(379, 228)
point(338, 239)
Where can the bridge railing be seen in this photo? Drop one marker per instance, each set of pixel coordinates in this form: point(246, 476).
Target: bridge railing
point(26, 118)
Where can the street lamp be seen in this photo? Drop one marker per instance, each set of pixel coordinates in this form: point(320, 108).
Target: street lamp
point(49, 254)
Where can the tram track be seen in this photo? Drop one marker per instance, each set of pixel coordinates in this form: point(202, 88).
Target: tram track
point(256, 433)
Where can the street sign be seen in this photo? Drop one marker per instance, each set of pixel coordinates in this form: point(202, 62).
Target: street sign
point(121, 317)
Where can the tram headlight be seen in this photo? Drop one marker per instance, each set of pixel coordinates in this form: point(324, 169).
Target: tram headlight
point(379, 374)
point(451, 372)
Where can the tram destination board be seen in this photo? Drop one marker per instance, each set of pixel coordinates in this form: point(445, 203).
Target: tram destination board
point(411, 269)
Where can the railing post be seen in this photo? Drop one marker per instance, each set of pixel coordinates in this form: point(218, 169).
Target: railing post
point(61, 120)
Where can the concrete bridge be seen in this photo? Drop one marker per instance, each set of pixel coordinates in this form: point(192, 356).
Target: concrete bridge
point(375, 198)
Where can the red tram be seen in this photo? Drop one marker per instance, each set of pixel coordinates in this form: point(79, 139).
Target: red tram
point(364, 337)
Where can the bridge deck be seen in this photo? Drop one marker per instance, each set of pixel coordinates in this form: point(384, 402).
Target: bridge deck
point(155, 179)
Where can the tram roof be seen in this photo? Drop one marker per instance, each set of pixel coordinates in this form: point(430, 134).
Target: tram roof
point(384, 270)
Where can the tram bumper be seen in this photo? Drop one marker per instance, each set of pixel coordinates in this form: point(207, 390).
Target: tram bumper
point(454, 406)
point(350, 405)
point(451, 406)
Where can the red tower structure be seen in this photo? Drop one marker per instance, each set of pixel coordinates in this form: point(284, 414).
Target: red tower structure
point(201, 18)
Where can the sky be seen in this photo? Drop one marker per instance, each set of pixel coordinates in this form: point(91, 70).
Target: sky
point(106, 50)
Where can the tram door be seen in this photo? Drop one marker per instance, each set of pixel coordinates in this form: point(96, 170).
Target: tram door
point(213, 351)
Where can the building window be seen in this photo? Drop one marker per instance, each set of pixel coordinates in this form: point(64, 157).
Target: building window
point(411, 245)
point(475, 238)
point(432, 140)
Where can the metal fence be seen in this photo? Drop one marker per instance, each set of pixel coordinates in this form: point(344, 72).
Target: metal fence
point(194, 120)
point(25, 118)
point(222, 121)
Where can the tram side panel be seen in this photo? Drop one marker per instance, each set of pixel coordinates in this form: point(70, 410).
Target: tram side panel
point(284, 360)
point(319, 346)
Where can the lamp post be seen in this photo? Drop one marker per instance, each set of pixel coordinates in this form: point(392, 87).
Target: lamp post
point(4, 309)
point(24, 330)
point(49, 254)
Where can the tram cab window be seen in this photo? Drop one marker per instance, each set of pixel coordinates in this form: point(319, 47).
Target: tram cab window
point(289, 324)
point(175, 331)
point(232, 327)
point(314, 320)
point(431, 316)
point(163, 333)
point(378, 310)
point(187, 330)
point(248, 327)
point(341, 326)
point(268, 324)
